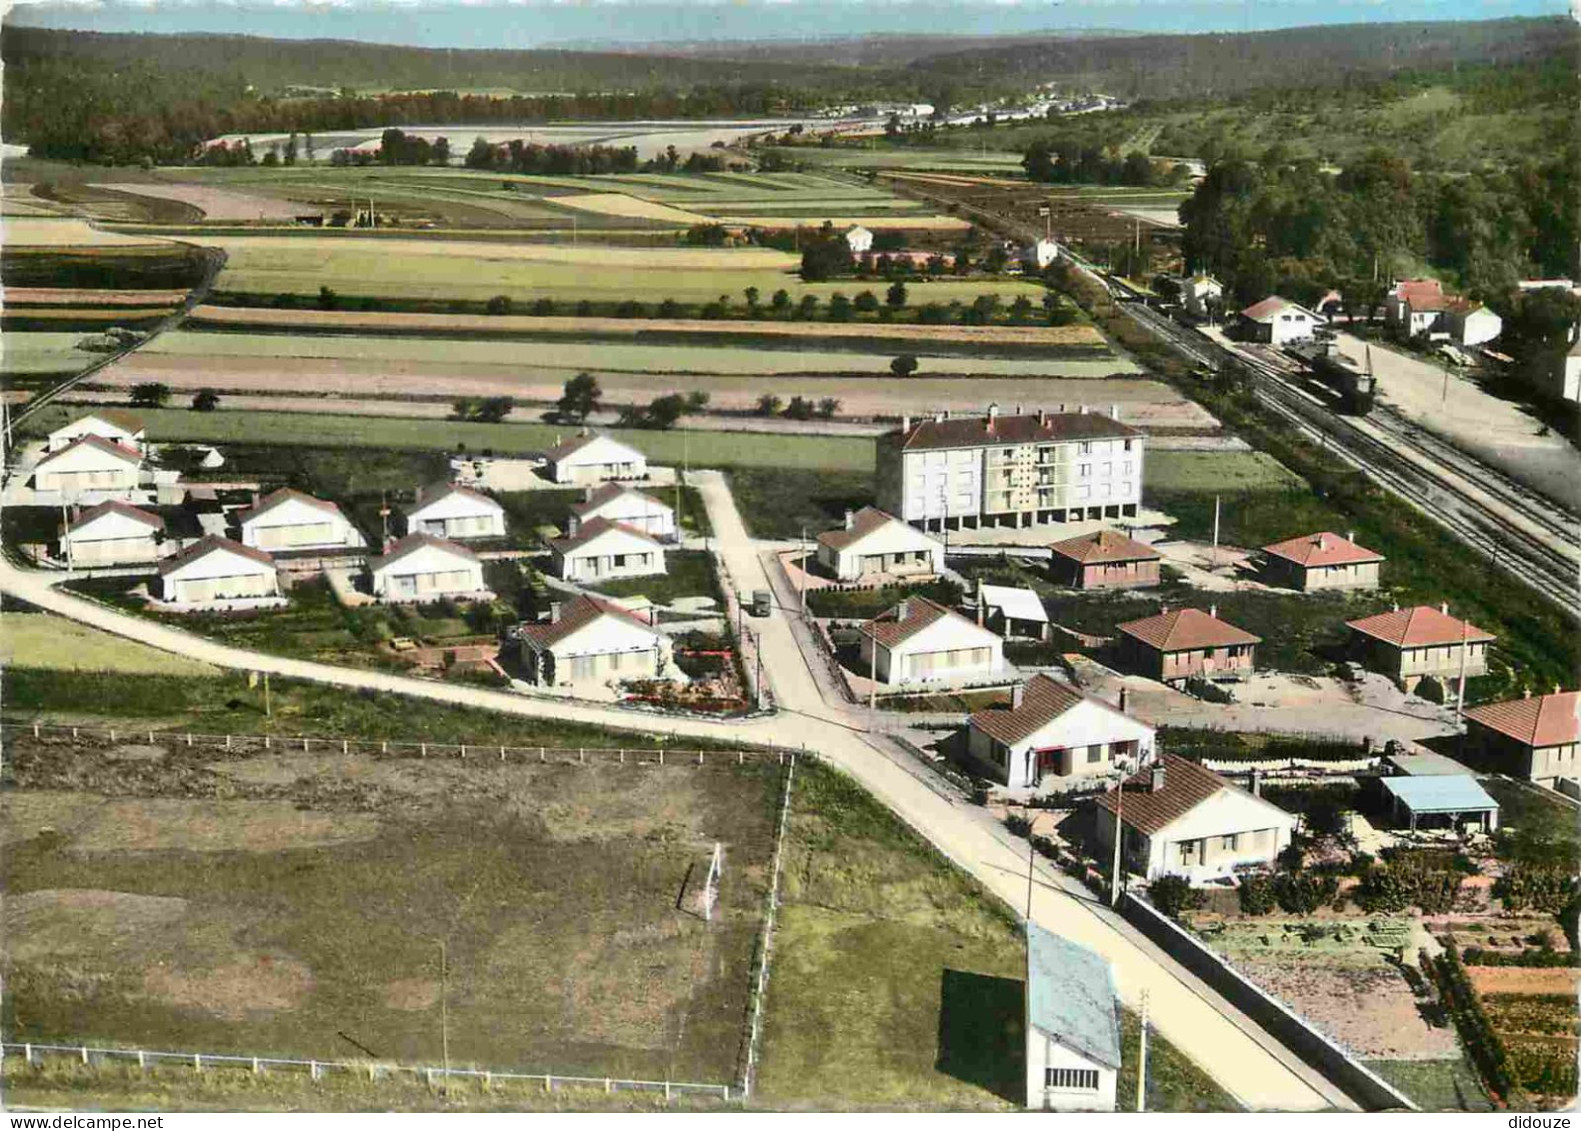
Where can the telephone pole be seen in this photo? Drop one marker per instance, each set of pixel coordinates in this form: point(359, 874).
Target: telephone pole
point(444, 1011)
point(1141, 1060)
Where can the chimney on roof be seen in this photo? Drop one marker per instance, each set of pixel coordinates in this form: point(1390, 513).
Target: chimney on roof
point(1213, 611)
point(554, 612)
point(1556, 689)
point(1114, 411)
point(905, 425)
point(1081, 410)
point(938, 417)
point(1350, 536)
point(1322, 542)
point(1042, 417)
point(993, 415)
point(1124, 696)
point(1018, 411)
point(1526, 693)
point(850, 518)
point(1257, 782)
point(901, 609)
point(1443, 607)
point(1396, 606)
point(980, 610)
point(1017, 696)
point(1155, 780)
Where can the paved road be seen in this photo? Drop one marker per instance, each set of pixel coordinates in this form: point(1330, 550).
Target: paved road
point(1244, 1060)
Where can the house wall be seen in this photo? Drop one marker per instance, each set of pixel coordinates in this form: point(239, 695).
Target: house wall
point(403, 583)
point(1083, 742)
point(1357, 575)
point(1198, 844)
point(199, 590)
point(117, 477)
point(1409, 666)
point(1208, 661)
point(113, 551)
point(656, 521)
point(487, 524)
point(550, 668)
point(62, 437)
point(605, 566)
point(326, 533)
point(1512, 756)
point(1045, 1053)
point(1107, 575)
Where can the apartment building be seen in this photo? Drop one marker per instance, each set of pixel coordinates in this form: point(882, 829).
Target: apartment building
point(993, 469)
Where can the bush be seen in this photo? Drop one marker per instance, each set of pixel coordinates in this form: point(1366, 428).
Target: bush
point(1477, 1034)
point(903, 366)
point(1256, 894)
point(205, 400)
point(1531, 956)
point(1432, 690)
point(150, 394)
point(669, 308)
point(1173, 895)
point(1525, 887)
point(543, 308)
point(866, 302)
point(1301, 893)
point(499, 304)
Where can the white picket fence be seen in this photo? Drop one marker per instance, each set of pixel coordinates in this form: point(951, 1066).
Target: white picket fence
point(372, 1070)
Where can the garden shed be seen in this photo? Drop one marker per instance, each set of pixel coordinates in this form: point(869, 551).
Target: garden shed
point(1453, 796)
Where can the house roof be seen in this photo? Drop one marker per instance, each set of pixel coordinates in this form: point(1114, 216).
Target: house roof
point(979, 431)
point(1543, 720)
point(578, 614)
point(1265, 310)
point(284, 495)
point(1183, 629)
point(1071, 996)
point(1421, 294)
point(1105, 546)
point(1418, 627)
point(1186, 785)
point(890, 629)
point(1322, 549)
point(1043, 700)
point(1425, 763)
point(432, 494)
point(409, 545)
point(98, 443)
point(1440, 793)
point(206, 546)
point(576, 443)
point(1018, 604)
point(610, 491)
point(864, 522)
point(126, 421)
point(596, 528)
point(115, 506)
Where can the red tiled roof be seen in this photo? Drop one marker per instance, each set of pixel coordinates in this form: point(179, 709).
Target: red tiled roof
point(99, 443)
point(285, 495)
point(1322, 549)
point(889, 630)
point(977, 431)
point(1186, 785)
point(125, 421)
point(432, 494)
point(205, 546)
point(1272, 305)
point(1105, 546)
point(1419, 627)
point(1421, 294)
point(863, 523)
point(115, 506)
point(1043, 701)
point(612, 491)
point(1183, 629)
point(1545, 720)
point(594, 528)
point(583, 611)
point(414, 542)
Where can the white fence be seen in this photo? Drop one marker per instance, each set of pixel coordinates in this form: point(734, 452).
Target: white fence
point(754, 1038)
point(372, 1070)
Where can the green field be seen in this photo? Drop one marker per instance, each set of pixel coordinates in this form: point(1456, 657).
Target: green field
point(1216, 471)
point(42, 640)
point(30, 353)
point(993, 161)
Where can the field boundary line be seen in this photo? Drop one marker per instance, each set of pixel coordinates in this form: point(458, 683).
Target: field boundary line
point(754, 1034)
point(374, 1069)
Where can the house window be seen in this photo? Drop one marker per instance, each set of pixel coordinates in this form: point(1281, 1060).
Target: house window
point(1128, 444)
point(1076, 1079)
point(1231, 841)
point(1095, 753)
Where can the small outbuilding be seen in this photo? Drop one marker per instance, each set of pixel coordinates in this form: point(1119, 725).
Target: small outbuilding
point(1072, 1026)
point(1321, 561)
point(1278, 321)
point(1104, 559)
point(1448, 797)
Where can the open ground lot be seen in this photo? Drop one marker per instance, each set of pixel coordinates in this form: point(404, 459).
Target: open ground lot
point(277, 904)
point(40, 640)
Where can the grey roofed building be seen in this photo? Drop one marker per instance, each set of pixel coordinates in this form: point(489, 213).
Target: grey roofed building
point(1445, 795)
point(1071, 996)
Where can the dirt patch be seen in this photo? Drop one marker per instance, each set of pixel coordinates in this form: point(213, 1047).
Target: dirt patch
point(168, 824)
point(134, 752)
point(577, 807)
point(27, 814)
point(235, 990)
point(1372, 1011)
point(1522, 980)
point(76, 922)
point(411, 995)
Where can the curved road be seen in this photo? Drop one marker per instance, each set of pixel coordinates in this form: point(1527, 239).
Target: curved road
point(1249, 1064)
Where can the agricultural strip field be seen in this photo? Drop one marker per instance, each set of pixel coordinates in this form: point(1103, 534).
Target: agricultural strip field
point(215, 203)
point(907, 157)
point(30, 353)
point(63, 232)
point(65, 296)
point(278, 903)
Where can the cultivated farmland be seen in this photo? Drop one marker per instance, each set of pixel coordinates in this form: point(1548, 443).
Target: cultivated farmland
point(63, 232)
point(31, 353)
point(215, 203)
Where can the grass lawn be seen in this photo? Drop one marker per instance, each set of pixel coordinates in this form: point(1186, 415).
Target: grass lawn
point(848, 604)
point(688, 573)
point(1174, 1083)
point(1436, 1085)
point(1527, 810)
point(526, 511)
point(1224, 472)
point(960, 703)
point(42, 640)
point(788, 501)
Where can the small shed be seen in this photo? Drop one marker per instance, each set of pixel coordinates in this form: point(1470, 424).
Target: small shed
point(1451, 796)
point(1072, 1026)
point(1012, 612)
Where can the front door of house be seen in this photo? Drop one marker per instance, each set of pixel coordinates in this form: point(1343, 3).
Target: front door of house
point(1053, 760)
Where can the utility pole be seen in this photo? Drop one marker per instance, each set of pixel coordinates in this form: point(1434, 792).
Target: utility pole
point(1119, 834)
point(1031, 857)
point(1141, 1061)
point(444, 1011)
point(872, 685)
point(1215, 530)
point(268, 703)
point(802, 577)
point(1460, 692)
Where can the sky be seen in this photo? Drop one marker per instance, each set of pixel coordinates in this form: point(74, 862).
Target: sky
point(538, 23)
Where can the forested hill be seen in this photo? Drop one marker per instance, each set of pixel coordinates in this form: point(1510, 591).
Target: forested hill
point(1207, 66)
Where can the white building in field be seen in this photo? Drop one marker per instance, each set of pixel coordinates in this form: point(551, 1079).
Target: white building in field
point(1198, 293)
point(875, 546)
point(1278, 321)
point(592, 641)
point(991, 469)
point(1565, 376)
point(290, 520)
point(605, 551)
point(111, 534)
point(1471, 323)
point(618, 503)
point(421, 567)
point(1072, 1026)
point(89, 464)
point(1040, 254)
point(921, 641)
point(1181, 818)
point(217, 572)
point(453, 512)
point(859, 240)
point(594, 458)
point(111, 424)
point(1052, 730)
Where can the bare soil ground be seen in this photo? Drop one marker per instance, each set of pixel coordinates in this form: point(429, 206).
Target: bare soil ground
point(1522, 980)
point(216, 203)
point(1370, 1010)
point(63, 296)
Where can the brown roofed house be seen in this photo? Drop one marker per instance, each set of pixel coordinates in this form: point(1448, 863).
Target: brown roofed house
point(1053, 729)
point(1537, 738)
point(1408, 645)
point(921, 641)
point(1105, 559)
point(1321, 561)
point(1182, 643)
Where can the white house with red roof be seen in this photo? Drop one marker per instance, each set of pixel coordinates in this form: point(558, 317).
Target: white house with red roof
point(89, 466)
point(1410, 644)
point(592, 457)
point(1181, 643)
point(617, 502)
point(1198, 293)
point(421, 567)
point(1278, 321)
point(218, 573)
point(1180, 818)
point(590, 640)
point(113, 424)
point(602, 550)
point(454, 512)
point(1415, 306)
point(922, 641)
point(1052, 730)
point(873, 546)
point(112, 533)
point(288, 519)
point(1537, 737)
point(1321, 561)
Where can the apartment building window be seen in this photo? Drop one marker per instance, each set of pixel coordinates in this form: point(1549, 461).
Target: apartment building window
point(1128, 444)
point(1084, 448)
point(1084, 470)
point(1075, 1079)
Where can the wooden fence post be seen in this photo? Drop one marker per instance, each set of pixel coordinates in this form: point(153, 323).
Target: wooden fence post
point(27, 1049)
point(257, 1067)
point(345, 747)
point(548, 1083)
point(197, 1062)
point(312, 1069)
point(189, 738)
point(423, 750)
point(622, 757)
point(112, 735)
point(463, 749)
point(502, 753)
point(142, 1059)
point(35, 730)
point(661, 755)
point(85, 1054)
point(73, 732)
point(699, 757)
point(581, 755)
point(227, 742)
point(304, 744)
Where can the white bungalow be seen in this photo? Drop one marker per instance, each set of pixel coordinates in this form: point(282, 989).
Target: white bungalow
point(590, 640)
point(874, 546)
point(111, 534)
point(859, 240)
point(921, 641)
point(1198, 293)
point(449, 510)
point(108, 424)
point(594, 458)
point(1053, 730)
point(1072, 1026)
point(217, 571)
point(626, 505)
point(1039, 255)
point(290, 520)
point(421, 567)
point(1278, 321)
point(604, 551)
point(1183, 819)
point(89, 463)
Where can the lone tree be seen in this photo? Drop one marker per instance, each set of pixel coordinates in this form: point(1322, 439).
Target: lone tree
point(896, 295)
point(828, 406)
point(150, 394)
point(664, 411)
point(903, 366)
point(839, 308)
point(205, 400)
point(328, 299)
point(499, 304)
point(866, 302)
point(752, 297)
point(780, 301)
point(580, 397)
point(769, 405)
point(492, 410)
point(1174, 894)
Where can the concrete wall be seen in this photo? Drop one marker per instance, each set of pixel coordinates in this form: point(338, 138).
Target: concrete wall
point(1044, 1053)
